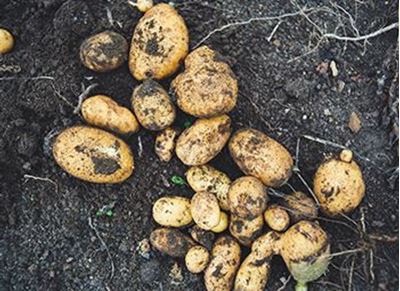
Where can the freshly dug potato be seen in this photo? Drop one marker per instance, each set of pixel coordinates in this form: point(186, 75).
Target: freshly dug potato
point(6, 41)
point(222, 224)
point(260, 156)
point(159, 44)
point(207, 178)
point(93, 155)
point(144, 5)
point(152, 106)
point(172, 211)
point(300, 207)
point(196, 259)
point(205, 210)
point(225, 260)
point(246, 230)
point(247, 197)
point(339, 185)
point(165, 144)
point(104, 112)
point(277, 218)
point(104, 51)
point(203, 237)
point(208, 86)
point(201, 142)
point(171, 242)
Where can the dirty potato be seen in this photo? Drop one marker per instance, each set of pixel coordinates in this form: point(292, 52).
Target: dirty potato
point(172, 211)
point(202, 236)
point(300, 207)
point(6, 41)
point(171, 242)
point(159, 43)
point(277, 218)
point(208, 86)
point(93, 155)
point(260, 156)
point(196, 259)
point(246, 230)
point(222, 224)
point(205, 210)
point(201, 142)
point(165, 144)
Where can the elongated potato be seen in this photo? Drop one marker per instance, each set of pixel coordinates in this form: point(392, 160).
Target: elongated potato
point(171, 242)
point(172, 211)
point(246, 230)
point(165, 144)
point(202, 236)
point(276, 217)
point(201, 142)
point(260, 156)
point(300, 207)
point(222, 224)
point(205, 210)
point(196, 259)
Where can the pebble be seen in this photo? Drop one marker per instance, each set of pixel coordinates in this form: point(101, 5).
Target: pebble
point(334, 69)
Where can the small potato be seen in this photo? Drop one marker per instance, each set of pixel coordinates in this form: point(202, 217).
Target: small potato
point(104, 52)
point(201, 142)
point(205, 210)
point(203, 237)
point(152, 106)
point(159, 44)
point(208, 86)
point(196, 259)
point(104, 112)
point(6, 41)
point(300, 207)
point(225, 261)
point(144, 5)
point(246, 230)
point(247, 197)
point(172, 211)
point(93, 155)
point(277, 218)
point(222, 224)
point(171, 242)
point(260, 156)
point(165, 144)
point(207, 178)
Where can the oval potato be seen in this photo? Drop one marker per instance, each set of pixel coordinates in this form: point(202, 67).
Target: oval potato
point(246, 230)
point(172, 211)
point(205, 210)
point(300, 207)
point(253, 274)
point(171, 242)
point(196, 259)
point(165, 144)
point(277, 218)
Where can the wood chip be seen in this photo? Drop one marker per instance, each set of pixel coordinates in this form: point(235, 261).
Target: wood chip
point(354, 122)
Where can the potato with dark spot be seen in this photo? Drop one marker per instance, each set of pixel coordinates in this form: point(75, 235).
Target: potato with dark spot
point(153, 106)
point(196, 259)
point(172, 211)
point(277, 218)
point(260, 156)
point(159, 43)
point(246, 230)
point(171, 242)
point(208, 86)
point(165, 144)
point(93, 155)
point(222, 224)
point(202, 236)
point(201, 142)
point(104, 112)
point(205, 210)
point(104, 52)
point(300, 206)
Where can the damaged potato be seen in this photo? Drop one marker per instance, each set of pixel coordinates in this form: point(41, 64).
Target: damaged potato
point(165, 144)
point(300, 207)
point(222, 224)
point(171, 242)
point(172, 211)
point(246, 230)
point(196, 259)
point(277, 218)
point(202, 236)
point(205, 210)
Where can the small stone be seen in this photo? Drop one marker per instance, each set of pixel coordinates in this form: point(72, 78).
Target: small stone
point(176, 273)
point(276, 42)
point(304, 117)
point(144, 248)
point(340, 86)
point(327, 112)
point(354, 122)
point(334, 69)
point(69, 260)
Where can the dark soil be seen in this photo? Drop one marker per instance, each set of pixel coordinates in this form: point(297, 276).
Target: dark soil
point(46, 240)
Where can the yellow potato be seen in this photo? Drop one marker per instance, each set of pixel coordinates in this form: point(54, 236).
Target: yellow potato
point(93, 155)
point(277, 218)
point(159, 43)
point(165, 144)
point(196, 259)
point(300, 207)
point(172, 211)
point(144, 5)
point(201, 142)
point(202, 236)
point(6, 41)
point(222, 224)
point(205, 210)
point(208, 86)
point(246, 230)
point(104, 112)
point(260, 156)
point(171, 242)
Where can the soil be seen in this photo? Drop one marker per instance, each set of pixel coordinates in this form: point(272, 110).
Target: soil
point(51, 237)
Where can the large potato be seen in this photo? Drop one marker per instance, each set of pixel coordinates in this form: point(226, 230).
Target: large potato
point(165, 144)
point(196, 259)
point(246, 230)
point(93, 155)
point(201, 142)
point(160, 42)
point(260, 156)
point(172, 211)
point(300, 206)
point(171, 242)
point(207, 178)
point(205, 210)
point(208, 86)
point(104, 112)
point(152, 106)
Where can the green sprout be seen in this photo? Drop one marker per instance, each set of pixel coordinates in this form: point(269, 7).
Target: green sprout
point(109, 213)
point(178, 180)
point(104, 212)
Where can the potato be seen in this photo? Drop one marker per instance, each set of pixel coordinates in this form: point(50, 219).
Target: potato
point(202, 236)
point(93, 155)
point(208, 86)
point(201, 142)
point(222, 224)
point(172, 211)
point(260, 156)
point(159, 44)
point(171, 242)
point(144, 5)
point(165, 144)
point(196, 259)
point(207, 178)
point(276, 217)
point(205, 210)
point(246, 230)
point(247, 197)
point(104, 112)
point(104, 51)
point(339, 185)
point(300, 207)
point(225, 260)
point(6, 41)
point(152, 106)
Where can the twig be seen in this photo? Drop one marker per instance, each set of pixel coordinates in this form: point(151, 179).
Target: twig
point(384, 238)
point(27, 78)
point(345, 252)
point(371, 265)
point(274, 31)
point(83, 95)
point(284, 283)
point(297, 172)
point(351, 274)
point(26, 176)
point(61, 96)
point(140, 147)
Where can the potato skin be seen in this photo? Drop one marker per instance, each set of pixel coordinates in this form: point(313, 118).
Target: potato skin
point(6, 41)
point(171, 242)
point(207, 87)
point(277, 218)
point(260, 156)
point(196, 259)
point(225, 261)
point(165, 144)
point(205, 210)
point(246, 230)
point(300, 207)
point(153, 106)
point(202, 236)
point(222, 224)
point(159, 43)
point(93, 155)
point(201, 142)
point(172, 211)
point(104, 51)
point(104, 112)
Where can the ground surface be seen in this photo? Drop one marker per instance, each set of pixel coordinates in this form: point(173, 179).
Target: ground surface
point(46, 240)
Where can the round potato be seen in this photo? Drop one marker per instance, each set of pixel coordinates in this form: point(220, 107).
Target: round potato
point(152, 106)
point(207, 178)
point(104, 52)
point(300, 207)
point(165, 144)
point(144, 5)
point(104, 112)
point(159, 44)
point(93, 155)
point(222, 224)
point(196, 259)
point(172, 211)
point(6, 41)
point(260, 156)
point(171, 242)
point(201, 142)
point(277, 218)
point(205, 210)
point(208, 86)
point(246, 230)
point(203, 237)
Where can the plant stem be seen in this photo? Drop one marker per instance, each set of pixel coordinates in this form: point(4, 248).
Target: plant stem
point(301, 286)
